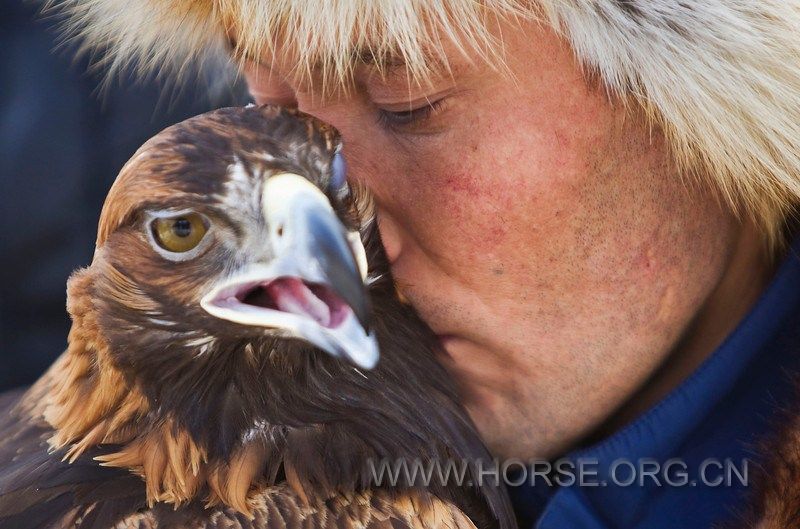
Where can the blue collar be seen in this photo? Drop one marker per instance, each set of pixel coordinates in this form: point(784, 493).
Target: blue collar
point(716, 415)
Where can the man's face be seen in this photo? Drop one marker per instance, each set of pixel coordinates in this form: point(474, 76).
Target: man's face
point(538, 226)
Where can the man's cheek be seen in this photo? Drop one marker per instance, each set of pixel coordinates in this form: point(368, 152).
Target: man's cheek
point(505, 203)
point(462, 216)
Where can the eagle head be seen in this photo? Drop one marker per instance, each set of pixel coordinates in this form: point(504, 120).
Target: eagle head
point(235, 225)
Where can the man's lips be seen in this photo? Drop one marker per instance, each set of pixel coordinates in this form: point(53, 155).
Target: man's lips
point(446, 340)
point(446, 337)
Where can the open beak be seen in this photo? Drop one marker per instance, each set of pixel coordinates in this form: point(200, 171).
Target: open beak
point(313, 288)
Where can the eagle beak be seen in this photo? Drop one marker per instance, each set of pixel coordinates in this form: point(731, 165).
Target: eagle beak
point(314, 286)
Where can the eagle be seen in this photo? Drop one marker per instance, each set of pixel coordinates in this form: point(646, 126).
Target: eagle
point(239, 356)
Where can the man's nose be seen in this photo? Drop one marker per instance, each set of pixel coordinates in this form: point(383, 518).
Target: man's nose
point(369, 163)
point(390, 235)
point(379, 175)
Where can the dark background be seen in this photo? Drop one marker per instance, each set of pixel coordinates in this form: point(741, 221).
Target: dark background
point(62, 141)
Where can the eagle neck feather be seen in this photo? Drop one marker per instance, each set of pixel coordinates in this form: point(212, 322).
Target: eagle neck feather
point(89, 403)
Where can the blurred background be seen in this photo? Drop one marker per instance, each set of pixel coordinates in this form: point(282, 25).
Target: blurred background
point(63, 138)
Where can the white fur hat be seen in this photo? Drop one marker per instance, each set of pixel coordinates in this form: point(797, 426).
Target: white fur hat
point(720, 77)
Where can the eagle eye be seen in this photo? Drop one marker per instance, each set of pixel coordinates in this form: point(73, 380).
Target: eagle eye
point(180, 233)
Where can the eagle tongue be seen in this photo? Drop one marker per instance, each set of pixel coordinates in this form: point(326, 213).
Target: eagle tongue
point(292, 295)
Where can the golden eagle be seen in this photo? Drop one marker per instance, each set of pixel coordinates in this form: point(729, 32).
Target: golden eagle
point(222, 367)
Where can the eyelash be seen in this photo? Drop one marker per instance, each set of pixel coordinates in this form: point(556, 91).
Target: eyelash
point(408, 118)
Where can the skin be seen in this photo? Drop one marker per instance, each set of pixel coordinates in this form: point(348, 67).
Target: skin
point(543, 232)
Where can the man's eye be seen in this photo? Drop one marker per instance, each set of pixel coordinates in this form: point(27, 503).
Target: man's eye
point(393, 119)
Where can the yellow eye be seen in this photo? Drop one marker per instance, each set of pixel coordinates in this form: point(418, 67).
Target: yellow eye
point(179, 234)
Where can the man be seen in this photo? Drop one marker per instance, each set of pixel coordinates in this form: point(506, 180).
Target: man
point(589, 202)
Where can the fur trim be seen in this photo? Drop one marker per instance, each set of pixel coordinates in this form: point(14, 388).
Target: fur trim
point(721, 77)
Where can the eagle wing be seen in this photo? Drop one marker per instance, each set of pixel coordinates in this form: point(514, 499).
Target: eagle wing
point(39, 489)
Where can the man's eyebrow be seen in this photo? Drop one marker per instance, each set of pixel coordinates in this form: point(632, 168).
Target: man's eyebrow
point(431, 63)
point(383, 61)
point(387, 61)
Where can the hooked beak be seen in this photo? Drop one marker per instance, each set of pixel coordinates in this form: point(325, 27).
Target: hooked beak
point(313, 288)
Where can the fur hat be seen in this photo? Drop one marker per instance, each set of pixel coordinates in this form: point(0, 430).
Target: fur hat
point(720, 77)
